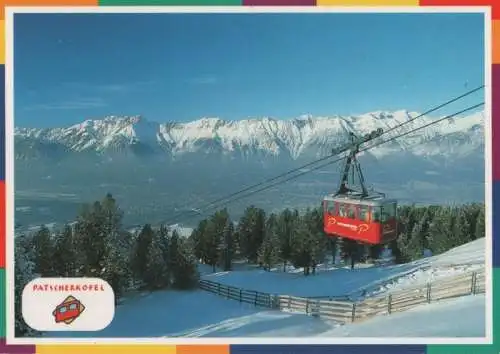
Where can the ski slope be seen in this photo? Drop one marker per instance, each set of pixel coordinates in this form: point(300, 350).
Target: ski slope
point(201, 314)
point(339, 281)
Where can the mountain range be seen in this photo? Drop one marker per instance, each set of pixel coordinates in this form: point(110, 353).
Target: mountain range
point(295, 138)
point(158, 169)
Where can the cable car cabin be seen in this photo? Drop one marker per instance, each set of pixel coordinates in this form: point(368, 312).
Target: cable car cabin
point(67, 311)
point(367, 221)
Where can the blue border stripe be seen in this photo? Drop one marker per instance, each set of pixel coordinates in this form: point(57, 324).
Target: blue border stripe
point(330, 349)
point(2, 124)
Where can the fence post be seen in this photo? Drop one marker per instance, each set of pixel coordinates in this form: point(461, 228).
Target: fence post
point(389, 304)
point(307, 306)
point(473, 283)
point(256, 296)
point(353, 314)
point(228, 292)
point(428, 293)
point(289, 301)
point(218, 289)
point(241, 295)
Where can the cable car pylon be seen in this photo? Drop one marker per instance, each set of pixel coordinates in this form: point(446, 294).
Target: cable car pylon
point(351, 164)
point(357, 214)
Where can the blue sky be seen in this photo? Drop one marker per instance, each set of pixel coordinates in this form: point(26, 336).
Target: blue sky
point(180, 67)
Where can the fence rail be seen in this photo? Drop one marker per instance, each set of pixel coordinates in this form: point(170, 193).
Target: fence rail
point(343, 310)
point(255, 298)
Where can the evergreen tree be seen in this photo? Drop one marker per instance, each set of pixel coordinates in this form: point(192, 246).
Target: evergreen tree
point(285, 227)
point(156, 275)
point(461, 230)
point(44, 251)
point(211, 244)
point(374, 251)
point(227, 247)
point(186, 273)
point(142, 249)
point(65, 258)
point(251, 230)
point(480, 230)
point(268, 254)
point(173, 252)
point(24, 269)
point(302, 252)
point(350, 250)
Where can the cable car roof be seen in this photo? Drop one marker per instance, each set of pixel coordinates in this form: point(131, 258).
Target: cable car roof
point(358, 200)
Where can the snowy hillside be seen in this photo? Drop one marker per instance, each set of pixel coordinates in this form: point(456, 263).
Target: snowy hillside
point(202, 314)
point(292, 138)
point(372, 280)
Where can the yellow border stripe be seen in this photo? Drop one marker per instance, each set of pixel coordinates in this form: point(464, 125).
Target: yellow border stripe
point(495, 41)
point(367, 2)
point(2, 42)
point(105, 349)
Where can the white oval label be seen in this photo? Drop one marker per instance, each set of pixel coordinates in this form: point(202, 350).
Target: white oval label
point(68, 304)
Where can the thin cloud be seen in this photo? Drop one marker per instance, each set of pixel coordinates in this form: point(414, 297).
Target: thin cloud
point(82, 103)
point(204, 80)
point(108, 87)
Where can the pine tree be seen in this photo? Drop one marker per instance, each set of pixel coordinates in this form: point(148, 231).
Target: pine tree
point(24, 269)
point(65, 260)
point(227, 246)
point(197, 239)
point(142, 247)
point(173, 252)
point(211, 244)
point(302, 245)
point(480, 230)
point(44, 251)
point(251, 230)
point(268, 254)
point(285, 226)
point(186, 273)
point(414, 246)
point(461, 231)
point(156, 275)
point(91, 238)
point(350, 250)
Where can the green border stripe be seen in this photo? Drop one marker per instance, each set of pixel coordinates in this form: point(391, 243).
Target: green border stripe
point(3, 302)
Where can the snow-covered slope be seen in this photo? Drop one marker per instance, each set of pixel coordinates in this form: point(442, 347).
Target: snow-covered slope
point(202, 314)
point(293, 138)
point(340, 281)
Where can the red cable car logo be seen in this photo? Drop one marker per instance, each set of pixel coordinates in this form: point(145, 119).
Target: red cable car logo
point(357, 228)
point(68, 311)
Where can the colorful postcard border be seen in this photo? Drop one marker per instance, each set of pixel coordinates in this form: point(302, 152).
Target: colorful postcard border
point(264, 349)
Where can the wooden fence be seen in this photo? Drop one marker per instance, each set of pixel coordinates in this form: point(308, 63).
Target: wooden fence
point(344, 311)
point(255, 298)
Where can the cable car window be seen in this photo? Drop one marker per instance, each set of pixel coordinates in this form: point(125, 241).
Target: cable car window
point(388, 211)
point(351, 211)
point(391, 210)
point(72, 307)
point(363, 213)
point(330, 208)
point(376, 214)
point(62, 309)
point(342, 211)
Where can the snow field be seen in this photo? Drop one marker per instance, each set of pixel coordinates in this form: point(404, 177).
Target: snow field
point(202, 314)
point(371, 280)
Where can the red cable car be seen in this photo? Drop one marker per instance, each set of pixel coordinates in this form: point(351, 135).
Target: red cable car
point(67, 310)
point(359, 215)
point(367, 221)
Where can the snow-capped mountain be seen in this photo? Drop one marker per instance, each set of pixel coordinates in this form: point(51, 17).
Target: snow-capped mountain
point(305, 136)
point(156, 170)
